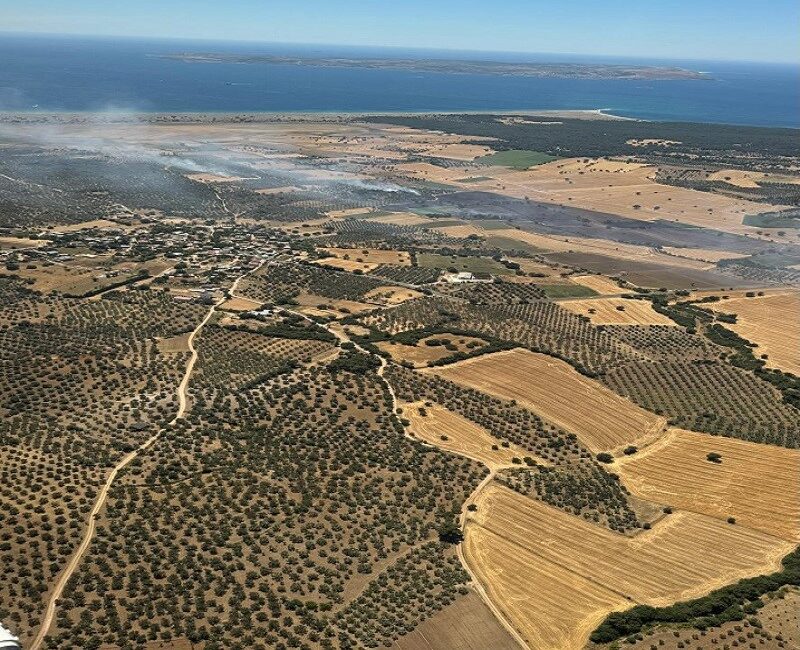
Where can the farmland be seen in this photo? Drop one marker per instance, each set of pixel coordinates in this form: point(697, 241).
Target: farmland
point(755, 485)
point(415, 382)
point(617, 311)
point(755, 320)
point(558, 588)
point(602, 420)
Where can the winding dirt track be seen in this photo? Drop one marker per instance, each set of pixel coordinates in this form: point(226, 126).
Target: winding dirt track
point(476, 583)
point(102, 496)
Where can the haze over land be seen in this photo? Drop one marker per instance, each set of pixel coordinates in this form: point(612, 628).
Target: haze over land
point(455, 380)
point(336, 347)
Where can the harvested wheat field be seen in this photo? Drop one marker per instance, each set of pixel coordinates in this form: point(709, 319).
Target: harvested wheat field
point(600, 418)
point(467, 624)
point(599, 283)
point(449, 431)
point(349, 212)
point(703, 254)
point(461, 232)
point(401, 219)
point(556, 576)
point(757, 484)
point(772, 322)
point(617, 311)
point(613, 187)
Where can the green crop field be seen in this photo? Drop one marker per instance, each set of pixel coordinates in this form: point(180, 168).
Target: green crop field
point(474, 179)
point(567, 291)
point(510, 244)
point(516, 158)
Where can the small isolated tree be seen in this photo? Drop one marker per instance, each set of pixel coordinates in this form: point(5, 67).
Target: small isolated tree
point(450, 533)
point(714, 457)
point(605, 457)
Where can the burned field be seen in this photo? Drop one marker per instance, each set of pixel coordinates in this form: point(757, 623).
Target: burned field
point(283, 383)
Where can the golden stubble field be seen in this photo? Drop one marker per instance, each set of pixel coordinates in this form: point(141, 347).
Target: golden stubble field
point(600, 418)
point(556, 576)
point(772, 322)
point(449, 431)
point(758, 485)
point(617, 311)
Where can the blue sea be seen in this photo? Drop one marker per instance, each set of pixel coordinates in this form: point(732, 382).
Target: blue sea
point(59, 73)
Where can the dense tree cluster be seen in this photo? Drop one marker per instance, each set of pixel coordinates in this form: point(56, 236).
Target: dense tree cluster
point(709, 396)
point(278, 283)
point(406, 274)
point(263, 518)
point(583, 489)
point(81, 383)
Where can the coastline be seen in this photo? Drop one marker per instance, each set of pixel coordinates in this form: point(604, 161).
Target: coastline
point(36, 116)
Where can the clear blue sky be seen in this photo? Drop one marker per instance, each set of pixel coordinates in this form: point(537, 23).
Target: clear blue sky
point(756, 30)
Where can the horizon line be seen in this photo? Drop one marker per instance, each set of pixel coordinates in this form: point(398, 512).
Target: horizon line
point(133, 37)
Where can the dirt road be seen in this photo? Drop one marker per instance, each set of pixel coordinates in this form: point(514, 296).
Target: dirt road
point(102, 496)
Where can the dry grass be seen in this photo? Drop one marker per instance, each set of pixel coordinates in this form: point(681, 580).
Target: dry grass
point(467, 624)
point(703, 254)
point(73, 280)
point(21, 242)
point(751, 179)
point(402, 219)
point(461, 231)
point(451, 432)
point(772, 322)
point(240, 304)
point(605, 311)
point(599, 283)
point(346, 265)
point(371, 255)
point(757, 484)
point(179, 343)
point(420, 354)
point(602, 185)
point(600, 418)
point(559, 244)
point(318, 305)
point(391, 295)
point(557, 576)
point(94, 223)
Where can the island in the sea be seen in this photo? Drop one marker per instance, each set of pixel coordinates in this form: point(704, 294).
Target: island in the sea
point(457, 66)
